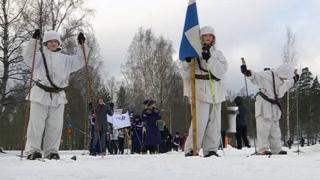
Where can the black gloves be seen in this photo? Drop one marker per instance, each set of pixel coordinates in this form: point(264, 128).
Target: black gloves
point(36, 34)
point(206, 53)
point(81, 38)
point(245, 71)
point(188, 59)
point(296, 78)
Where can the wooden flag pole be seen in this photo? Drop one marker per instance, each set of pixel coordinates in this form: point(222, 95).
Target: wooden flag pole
point(193, 107)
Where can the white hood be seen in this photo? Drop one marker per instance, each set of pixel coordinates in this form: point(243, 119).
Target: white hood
point(286, 71)
point(206, 30)
point(50, 35)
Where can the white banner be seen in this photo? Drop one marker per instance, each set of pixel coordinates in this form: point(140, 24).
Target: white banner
point(119, 120)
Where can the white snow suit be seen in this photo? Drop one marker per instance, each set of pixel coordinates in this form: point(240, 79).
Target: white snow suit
point(46, 113)
point(208, 106)
point(267, 114)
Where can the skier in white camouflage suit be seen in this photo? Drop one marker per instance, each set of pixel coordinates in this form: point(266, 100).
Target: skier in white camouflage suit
point(273, 85)
point(209, 95)
point(47, 96)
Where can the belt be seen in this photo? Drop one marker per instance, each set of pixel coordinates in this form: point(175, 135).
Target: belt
point(206, 77)
point(203, 77)
point(49, 89)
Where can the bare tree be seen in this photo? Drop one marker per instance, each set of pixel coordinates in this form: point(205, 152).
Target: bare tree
point(289, 55)
point(13, 35)
point(150, 71)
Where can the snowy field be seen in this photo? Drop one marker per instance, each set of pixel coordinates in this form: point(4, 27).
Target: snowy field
point(234, 165)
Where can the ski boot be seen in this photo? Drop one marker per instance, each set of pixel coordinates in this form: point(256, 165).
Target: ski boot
point(35, 155)
point(53, 156)
point(282, 152)
point(190, 153)
point(211, 153)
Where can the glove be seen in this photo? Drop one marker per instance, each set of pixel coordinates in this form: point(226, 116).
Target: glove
point(206, 52)
point(188, 59)
point(245, 71)
point(81, 38)
point(36, 34)
point(296, 78)
point(206, 55)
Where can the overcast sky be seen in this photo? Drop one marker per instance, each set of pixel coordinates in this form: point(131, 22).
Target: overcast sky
point(254, 29)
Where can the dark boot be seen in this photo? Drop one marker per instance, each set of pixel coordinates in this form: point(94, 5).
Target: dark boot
point(282, 152)
point(190, 153)
point(54, 156)
point(212, 153)
point(35, 155)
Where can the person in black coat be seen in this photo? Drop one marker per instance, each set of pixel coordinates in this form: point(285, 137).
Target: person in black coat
point(99, 140)
point(149, 116)
point(289, 143)
point(137, 132)
point(302, 141)
point(176, 141)
point(241, 123)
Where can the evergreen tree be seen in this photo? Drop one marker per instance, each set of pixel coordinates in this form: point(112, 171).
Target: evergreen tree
point(122, 97)
point(304, 102)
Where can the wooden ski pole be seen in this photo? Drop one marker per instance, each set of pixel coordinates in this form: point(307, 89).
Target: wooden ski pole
point(28, 104)
point(251, 122)
point(193, 107)
point(90, 91)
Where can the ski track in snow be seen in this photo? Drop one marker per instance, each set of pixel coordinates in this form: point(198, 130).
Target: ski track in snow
point(173, 165)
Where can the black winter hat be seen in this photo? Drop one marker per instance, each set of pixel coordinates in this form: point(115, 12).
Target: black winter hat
point(149, 102)
point(238, 100)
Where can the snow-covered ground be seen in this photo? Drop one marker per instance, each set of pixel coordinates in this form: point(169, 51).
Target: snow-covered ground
point(173, 165)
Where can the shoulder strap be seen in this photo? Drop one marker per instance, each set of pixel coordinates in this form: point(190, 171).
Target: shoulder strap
point(47, 71)
point(274, 91)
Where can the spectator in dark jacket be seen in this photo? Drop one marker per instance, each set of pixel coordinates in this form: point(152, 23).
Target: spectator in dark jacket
point(137, 131)
point(289, 143)
point(241, 123)
point(176, 141)
point(149, 116)
point(101, 110)
point(302, 141)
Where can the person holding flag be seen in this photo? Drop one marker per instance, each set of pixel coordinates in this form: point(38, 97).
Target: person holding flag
point(209, 73)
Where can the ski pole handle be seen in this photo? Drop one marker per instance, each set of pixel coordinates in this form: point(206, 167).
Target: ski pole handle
point(243, 61)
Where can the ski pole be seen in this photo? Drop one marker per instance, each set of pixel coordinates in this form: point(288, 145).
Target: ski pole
point(90, 90)
point(28, 104)
point(254, 134)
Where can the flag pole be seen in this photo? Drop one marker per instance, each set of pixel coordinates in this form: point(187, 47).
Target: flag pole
point(193, 107)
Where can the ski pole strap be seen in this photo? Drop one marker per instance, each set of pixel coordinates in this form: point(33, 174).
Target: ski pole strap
point(272, 101)
point(47, 71)
point(211, 83)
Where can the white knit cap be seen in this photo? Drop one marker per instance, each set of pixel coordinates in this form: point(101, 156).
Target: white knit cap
point(206, 30)
point(286, 71)
point(51, 35)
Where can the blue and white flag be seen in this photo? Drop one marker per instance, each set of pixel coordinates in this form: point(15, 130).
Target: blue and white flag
point(190, 44)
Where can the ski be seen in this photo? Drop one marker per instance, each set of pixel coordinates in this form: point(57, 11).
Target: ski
point(257, 154)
